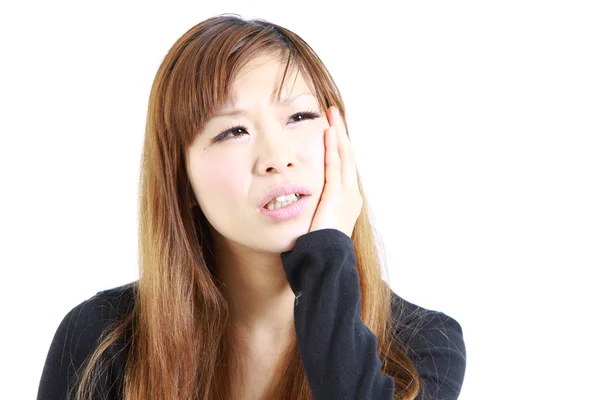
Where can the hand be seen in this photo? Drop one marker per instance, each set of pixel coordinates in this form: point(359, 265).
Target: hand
point(341, 201)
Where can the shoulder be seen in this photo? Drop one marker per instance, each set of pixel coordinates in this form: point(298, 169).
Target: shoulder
point(434, 341)
point(104, 308)
point(85, 323)
point(79, 333)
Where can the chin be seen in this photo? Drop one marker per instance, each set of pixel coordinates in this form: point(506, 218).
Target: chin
point(282, 237)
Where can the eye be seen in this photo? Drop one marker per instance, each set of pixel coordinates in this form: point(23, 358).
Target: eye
point(304, 115)
point(231, 133)
point(238, 131)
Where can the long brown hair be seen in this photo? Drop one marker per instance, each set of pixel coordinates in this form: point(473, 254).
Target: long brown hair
point(178, 330)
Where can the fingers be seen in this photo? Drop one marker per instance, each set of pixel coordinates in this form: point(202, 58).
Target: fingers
point(332, 158)
point(346, 155)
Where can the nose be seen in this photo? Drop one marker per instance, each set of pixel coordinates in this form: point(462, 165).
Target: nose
point(275, 154)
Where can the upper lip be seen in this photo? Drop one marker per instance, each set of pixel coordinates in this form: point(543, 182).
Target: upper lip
point(281, 190)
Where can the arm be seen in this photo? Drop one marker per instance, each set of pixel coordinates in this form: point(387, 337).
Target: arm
point(339, 353)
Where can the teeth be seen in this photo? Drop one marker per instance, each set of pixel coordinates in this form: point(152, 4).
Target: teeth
point(282, 201)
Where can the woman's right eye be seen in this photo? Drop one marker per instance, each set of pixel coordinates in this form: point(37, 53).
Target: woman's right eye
point(236, 132)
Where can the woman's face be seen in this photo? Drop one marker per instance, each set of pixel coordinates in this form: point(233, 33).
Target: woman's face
point(231, 170)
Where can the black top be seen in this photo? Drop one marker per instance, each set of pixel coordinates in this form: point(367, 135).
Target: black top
point(338, 352)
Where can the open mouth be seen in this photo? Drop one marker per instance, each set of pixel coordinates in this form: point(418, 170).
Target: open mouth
point(283, 201)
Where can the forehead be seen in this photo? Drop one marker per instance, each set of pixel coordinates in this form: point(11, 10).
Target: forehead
point(262, 77)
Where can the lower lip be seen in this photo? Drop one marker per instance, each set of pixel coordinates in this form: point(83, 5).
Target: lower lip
point(287, 212)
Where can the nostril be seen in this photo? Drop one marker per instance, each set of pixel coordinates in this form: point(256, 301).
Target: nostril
point(272, 169)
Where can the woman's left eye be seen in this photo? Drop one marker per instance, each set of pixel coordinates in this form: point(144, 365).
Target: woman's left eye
point(305, 115)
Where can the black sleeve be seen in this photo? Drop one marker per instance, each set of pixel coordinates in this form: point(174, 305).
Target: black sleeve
point(74, 340)
point(339, 353)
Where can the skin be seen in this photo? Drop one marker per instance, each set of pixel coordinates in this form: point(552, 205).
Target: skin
point(230, 178)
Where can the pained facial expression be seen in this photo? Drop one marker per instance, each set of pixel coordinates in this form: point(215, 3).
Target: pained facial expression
point(273, 142)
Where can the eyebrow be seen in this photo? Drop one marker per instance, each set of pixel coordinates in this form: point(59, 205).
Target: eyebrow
point(235, 112)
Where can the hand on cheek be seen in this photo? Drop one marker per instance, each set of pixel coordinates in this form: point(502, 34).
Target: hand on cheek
point(341, 201)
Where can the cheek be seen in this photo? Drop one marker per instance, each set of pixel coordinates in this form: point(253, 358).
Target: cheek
point(311, 150)
point(218, 180)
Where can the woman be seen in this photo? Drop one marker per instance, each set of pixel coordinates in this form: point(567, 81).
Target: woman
point(259, 272)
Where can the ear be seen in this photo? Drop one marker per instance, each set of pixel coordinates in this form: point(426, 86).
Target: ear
point(193, 200)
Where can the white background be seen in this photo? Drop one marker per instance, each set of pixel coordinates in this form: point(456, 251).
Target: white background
point(476, 129)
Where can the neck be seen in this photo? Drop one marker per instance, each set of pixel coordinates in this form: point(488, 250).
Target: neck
point(261, 302)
